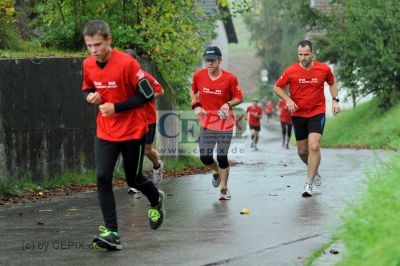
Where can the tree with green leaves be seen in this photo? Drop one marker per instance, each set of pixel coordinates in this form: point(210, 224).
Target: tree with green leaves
point(275, 34)
point(171, 34)
point(363, 37)
point(7, 12)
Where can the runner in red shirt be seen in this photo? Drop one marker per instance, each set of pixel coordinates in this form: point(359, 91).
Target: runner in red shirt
point(214, 93)
point(286, 123)
point(269, 109)
point(254, 115)
point(158, 165)
point(114, 81)
point(307, 106)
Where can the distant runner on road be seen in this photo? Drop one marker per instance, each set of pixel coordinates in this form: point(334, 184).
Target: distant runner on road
point(269, 109)
point(286, 123)
point(307, 106)
point(254, 113)
point(214, 92)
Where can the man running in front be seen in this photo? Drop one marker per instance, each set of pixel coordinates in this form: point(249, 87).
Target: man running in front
point(307, 106)
point(214, 93)
point(114, 82)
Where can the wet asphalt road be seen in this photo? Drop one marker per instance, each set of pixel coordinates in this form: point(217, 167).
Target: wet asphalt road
point(281, 229)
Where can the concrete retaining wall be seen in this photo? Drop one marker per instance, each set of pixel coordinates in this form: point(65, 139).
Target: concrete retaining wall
point(45, 126)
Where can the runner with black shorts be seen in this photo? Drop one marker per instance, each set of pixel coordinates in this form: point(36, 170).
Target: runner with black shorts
point(214, 93)
point(286, 123)
point(255, 115)
point(158, 165)
point(307, 106)
point(114, 81)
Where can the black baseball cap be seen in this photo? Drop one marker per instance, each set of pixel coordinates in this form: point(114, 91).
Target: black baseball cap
point(212, 53)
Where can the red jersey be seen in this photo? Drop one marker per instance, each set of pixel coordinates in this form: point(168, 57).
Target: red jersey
point(269, 107)
point(151, 106)
point(307, 87)
point(213, 94)
point(254, 115)
point(116, 82)
point(285, 114)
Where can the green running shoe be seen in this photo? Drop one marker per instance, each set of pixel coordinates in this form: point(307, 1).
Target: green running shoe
point(107, 240)
point(157, 213)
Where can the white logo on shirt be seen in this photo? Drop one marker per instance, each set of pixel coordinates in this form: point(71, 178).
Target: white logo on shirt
point(105, 85)
point(140, 74)
point(308, 80)
point(212, 91)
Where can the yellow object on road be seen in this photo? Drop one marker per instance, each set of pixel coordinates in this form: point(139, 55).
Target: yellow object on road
point(245, 211)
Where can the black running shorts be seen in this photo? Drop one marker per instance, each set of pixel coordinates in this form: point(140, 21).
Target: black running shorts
point(306, 125)
point(256, 128)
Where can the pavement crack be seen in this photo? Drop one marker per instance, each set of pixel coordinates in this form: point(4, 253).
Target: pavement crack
point(224, 261)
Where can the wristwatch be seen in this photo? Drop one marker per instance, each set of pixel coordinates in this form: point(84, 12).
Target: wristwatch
point(335, 98)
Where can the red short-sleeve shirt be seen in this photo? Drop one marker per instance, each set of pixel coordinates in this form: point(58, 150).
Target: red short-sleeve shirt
point(116, 82)
point(285, 114)
point(307, 87)
point(254, 115)
point(213, 94)
point(269, 108)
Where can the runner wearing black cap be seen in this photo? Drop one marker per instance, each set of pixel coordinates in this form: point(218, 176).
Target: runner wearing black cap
point(214, 93)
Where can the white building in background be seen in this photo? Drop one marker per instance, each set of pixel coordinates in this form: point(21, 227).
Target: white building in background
point(225, 30)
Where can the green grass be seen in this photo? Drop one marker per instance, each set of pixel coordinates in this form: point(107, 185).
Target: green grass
point(19, 48)
point(183, 162)
point(70, 178)
point(15, 188)
point(309, 261)
point(371, 226)
point(38, 52)
point(364, 126)
point(10, 188)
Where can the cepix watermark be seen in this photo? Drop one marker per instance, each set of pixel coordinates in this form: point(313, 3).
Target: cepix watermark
point(40, 245)
point(178, 133)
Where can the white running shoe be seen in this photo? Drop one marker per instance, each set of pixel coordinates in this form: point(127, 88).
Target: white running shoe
point(158, 173)
point(133, 190)
point(307, 191)
point(317, 180)
point(225, 195)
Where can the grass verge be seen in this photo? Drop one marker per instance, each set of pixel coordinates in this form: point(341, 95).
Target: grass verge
point(365, 126)
point(371, 226)
point(309, 261)
point(11, 188)
point(182, 162)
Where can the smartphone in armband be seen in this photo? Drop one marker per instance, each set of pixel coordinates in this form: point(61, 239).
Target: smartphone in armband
point(145, 88)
